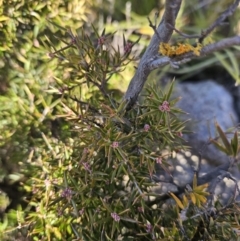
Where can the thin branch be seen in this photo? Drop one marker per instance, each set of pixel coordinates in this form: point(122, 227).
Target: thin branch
point(222, 44)
point(153, 26)
point(160, 62)
point(219, 20)
point(87, 105)
point(206, 50)
point(164, 34)
point(184, 34)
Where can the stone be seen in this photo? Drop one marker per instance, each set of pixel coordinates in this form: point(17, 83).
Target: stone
point(206, 103)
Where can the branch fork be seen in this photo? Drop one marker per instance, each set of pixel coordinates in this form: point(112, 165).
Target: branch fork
point(162, 34)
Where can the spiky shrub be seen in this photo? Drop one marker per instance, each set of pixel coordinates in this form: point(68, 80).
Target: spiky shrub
point(95, 181)
point(99, 183)
point(26, 110)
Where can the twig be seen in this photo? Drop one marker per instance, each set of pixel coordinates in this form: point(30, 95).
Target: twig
point(183, 34)
point(222, 44)
point(175, 64)
point(206, 50)
point(219, 20)
point(84, 103)
point(164, 34)
point(153, 26)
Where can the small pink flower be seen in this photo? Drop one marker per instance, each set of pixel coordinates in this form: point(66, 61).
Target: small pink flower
point(59, 212)
point(81, 211)
point(97, 210)
point(34, 189)
point(67, 193)
point(180, 134)
point(165, 106)
point(74, 40)
point(128, 48)
point(146, 127)
point(161, 108)
point(140, 209)
point(88, 127)
point(63, 89)
point(86, 166)
point(148, 227)
point(115, 144)
point(47, 183)
point(101, 40)
point(159, 160)
point(51, 55)
point(115, 217)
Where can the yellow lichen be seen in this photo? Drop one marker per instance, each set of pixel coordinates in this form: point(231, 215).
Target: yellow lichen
point(197, 49)
point(181, 48)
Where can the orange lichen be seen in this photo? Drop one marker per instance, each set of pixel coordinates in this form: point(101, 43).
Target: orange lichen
point(174, 50)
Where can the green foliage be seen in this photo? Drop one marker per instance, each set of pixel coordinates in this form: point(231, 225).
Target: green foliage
point(230, 147)
point(86, 163)
point(196, 195)
point(86, 187)
point(26, 111)
point(26, 72)
point(112, 151)
point(99, 182)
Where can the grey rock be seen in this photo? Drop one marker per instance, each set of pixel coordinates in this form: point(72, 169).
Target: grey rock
point(206, 102)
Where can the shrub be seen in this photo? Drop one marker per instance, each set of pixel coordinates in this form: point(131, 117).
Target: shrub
point(96, 155)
